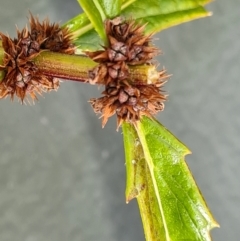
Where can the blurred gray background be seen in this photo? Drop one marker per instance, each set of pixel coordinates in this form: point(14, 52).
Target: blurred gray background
point(62, 177)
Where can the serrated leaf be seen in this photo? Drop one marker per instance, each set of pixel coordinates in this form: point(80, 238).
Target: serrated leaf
point(157, 14)
point(170, 203)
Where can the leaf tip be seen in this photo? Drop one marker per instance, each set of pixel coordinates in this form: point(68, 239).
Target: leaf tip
point(128, 198)
point(215, 224)
point(209, 14)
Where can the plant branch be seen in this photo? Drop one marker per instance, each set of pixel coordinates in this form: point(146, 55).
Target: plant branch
point(2, 74)
point(64, 66)
point(77, 67)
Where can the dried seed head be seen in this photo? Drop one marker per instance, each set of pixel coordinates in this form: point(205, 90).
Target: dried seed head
point(106, 73)
point(129, 102)
point(128, 99)
point(22, 78)
point(118, 71)
point(118, 52)
point(127, 42)
point(51, 36)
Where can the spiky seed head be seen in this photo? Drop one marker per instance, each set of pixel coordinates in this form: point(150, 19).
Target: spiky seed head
point(22, 77)
point(128, 99)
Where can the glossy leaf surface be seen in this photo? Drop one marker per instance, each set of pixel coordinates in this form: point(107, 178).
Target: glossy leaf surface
point(162, 14)
point(170, 203)
point(111, 9)
point(157, 14)
point(94, 14)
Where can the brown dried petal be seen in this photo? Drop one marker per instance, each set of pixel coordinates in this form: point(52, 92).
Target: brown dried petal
point(132, 100)
point(98, 74)
point(122, 97)
point(117, 52)
point(131, 91)
point(118, 70)
point(51, 36)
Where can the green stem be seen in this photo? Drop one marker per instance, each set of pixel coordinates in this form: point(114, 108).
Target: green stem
point(77, 67)
point(64, 66)
point(2, 73)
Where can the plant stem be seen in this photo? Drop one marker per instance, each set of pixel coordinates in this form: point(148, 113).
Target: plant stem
point(2, 73)
point(64, 66)
point(77, 67)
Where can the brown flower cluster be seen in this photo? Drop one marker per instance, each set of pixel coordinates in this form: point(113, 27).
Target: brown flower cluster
point(22, 78)
point(127, 98)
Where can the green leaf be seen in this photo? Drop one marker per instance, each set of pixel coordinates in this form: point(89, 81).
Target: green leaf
point(170, 203)
point(134, 160)
point(87, 32)
point(111, 9)
point(156, 14)
point(89, 42)
point(162, 14)
point(79, 25)
point(85, 37)
point(95, 15)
